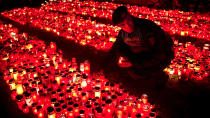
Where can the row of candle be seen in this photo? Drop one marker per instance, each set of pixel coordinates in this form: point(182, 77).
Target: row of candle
point(42, 81)
point(97, 35)
point(173, 21)
point(112, 6)
point(202, 25)
point(83, 42)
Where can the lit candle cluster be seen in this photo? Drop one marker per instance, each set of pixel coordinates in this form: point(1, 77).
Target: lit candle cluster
point(101, 36)
point(84, 32)
point(42, 81)
point(190, 63)
point(172, 21)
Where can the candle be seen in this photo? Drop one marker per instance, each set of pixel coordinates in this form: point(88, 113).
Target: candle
point(97, 92)
point(146, 108)
point(144, 98)
point(58, 113)
point(25, 108)
point(55, 85)
point(61, 96)
point(89, 110)
point(84, 97)
point(53, 101)
point(114, 100)
point(12, 84)
point(40, 112)
point(119, 114)
point(15, 75)
point(84, 84)
point(82, 113)
point(64, 109)
point(28, 98)
point(13, 95)
point(76, 109)
point(20, 101)
point(19, 89)
point(40, 115)
point(109, 108)
point(34, 108)
point(68, 93)
point(133, 112)
point(82, 68)
point(58, 79)
point(70, 112)
point(34, 94)
point(107, 87)
point(99, 112)
point(51, 113)
point(87, 67)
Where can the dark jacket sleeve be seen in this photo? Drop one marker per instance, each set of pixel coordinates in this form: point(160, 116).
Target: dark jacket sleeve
point(110, 61)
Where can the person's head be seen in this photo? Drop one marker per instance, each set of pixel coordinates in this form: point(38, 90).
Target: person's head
point(122, 18)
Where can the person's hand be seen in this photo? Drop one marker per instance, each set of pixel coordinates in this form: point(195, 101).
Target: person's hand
point(124, 63)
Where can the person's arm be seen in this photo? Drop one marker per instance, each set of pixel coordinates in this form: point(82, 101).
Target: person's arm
point(110, 56)
point(104, 59)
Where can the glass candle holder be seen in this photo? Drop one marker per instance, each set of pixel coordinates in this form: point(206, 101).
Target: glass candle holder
point(76, 109)
point(61, 96)
point(82, 113)
point(70, 113)
point(13, 95)
point(64, 109)
point(68, 93)
point(53, 94)
point(97, 92)
point(12, 84)
point(99, 112)
point(34, 108)
point(50, 112)
point(146, 108)
point(119, 113)
point(28, 99)
point(88, 110)
point(40, 112)
point(144, 98)
point(109, 108)
point(20, 101)
point(58, 113)
point(25, 108)
point(53, 101)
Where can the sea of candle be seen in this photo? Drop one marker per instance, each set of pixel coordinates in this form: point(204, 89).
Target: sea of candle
point(26, 59)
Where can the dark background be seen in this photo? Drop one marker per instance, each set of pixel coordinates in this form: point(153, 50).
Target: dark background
point(11, 4)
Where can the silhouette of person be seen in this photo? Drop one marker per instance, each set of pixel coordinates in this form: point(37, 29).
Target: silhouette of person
point(140, 53)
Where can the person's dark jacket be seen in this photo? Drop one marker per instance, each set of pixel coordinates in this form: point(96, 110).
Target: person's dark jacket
point(153, 60)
